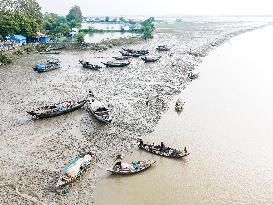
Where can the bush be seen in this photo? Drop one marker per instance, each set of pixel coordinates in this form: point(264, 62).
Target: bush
point(41, 47)
point(28, 49)
point(5, 58)
point(67, 40)
point(18, 52)
point(148, 28)
point(80, 38)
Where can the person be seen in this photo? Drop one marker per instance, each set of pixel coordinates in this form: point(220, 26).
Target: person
point(152, 147)
point(67, 103)
point(117, 163)
point(185, 150)
point(60, 107)
point(141, 143)
point(162, 146)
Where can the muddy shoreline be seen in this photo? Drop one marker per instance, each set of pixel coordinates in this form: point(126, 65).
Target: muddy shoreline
point(32, 153)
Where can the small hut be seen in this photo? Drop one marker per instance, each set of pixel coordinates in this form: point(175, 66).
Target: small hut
point(19, 39)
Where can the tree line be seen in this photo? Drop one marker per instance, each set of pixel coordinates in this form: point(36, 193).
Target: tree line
point(25, 17)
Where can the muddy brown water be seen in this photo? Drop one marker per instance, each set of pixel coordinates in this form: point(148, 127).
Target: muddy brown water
point(32, 152)
point(226, 125)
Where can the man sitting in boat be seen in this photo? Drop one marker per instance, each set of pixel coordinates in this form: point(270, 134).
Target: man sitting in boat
point(152, 147)
point(63, 106)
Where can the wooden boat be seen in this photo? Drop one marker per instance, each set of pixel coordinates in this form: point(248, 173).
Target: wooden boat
point(163, 48)
point(97, 108)
point(50, 48)
point(40, 68)
point(74, 169)
point(122, 57)
point(53, 60)
point(50, 52)
point(52, 64)
point(143, 52)
point(86, 64)
point(116, 64)
point(179, 105)
point(165, 152)
point(150, 59)
point(193, 76)
point(131, 168)
point(56, 109)
point(127, 54)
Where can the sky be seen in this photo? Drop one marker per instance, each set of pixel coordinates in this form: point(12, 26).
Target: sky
point(160, 7)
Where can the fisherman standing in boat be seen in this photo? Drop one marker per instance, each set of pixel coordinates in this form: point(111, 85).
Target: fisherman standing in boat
point(140, 143)
point(162, 146)
point(185, 150)
point(117, 162)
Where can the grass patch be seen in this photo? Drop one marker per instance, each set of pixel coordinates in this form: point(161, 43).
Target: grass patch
point(5, 58)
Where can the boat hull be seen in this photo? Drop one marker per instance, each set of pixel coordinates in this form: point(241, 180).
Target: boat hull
point(146, 164)
point(57, 113)
point(164, 154)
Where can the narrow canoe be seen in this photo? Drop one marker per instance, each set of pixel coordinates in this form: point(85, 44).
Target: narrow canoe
point(150, 59)
point(116, 64)
point(167, 152)
point(132, 168)
point(55, 110)
point(88, 65)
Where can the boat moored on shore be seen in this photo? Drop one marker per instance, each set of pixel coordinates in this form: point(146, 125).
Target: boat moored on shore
point(75, 169)
point(56, 109)
point(88, 65)
point(116, 64)
point(98, 108)
point(150, 59)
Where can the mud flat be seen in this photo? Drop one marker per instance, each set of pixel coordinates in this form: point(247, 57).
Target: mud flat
point(32, 153)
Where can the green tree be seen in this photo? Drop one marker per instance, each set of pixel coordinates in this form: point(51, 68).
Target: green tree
point(148, 27)
point(74, 24)
point(20, 17)
point(50, 22)
point(122, 20)
point(107, 19)
point(63, 29)
point(132, 27)
point(122, 29)
point(56, 25)
point(75, 14)
point(9, 24)
point(80, 37)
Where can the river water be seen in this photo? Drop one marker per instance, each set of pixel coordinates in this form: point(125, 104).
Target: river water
point(227, 127)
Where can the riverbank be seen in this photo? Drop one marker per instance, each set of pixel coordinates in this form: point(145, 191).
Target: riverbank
point(48, 145)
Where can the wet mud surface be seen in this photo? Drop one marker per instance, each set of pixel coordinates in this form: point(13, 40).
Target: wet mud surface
point(33, 152)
